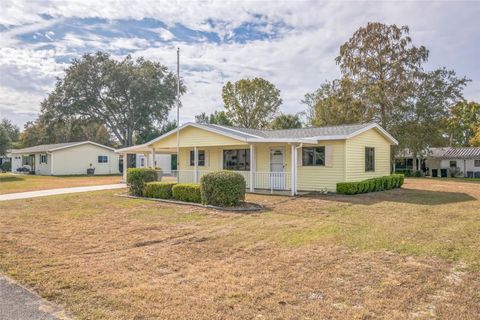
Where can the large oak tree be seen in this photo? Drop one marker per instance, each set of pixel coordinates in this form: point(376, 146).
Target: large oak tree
point(127, 96)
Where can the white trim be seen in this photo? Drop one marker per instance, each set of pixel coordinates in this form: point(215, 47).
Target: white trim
point(82, 143)
point(284, 140)
point(252, 188)
point(235, 130)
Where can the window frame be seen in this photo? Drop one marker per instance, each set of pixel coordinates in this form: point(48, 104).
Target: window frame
point(369, 162)
point(41, 158)
point(475, 163)
point(450, 164)
point(315, 151)
point(192, 158)
point(247, 165)
point(102, 162)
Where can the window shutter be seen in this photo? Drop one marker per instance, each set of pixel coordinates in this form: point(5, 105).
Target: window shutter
point(299, 157)
point(206, 158)
point(329, 156)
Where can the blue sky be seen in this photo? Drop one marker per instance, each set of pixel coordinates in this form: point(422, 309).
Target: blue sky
point(290, 43)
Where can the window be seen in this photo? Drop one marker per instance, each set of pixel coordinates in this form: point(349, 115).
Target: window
point(313, 156)
point(453, 164)
point(142, 162)
point(201, 158)
point(369, 159)
point(102, 159)
point(43, 158)
point(477, 163)
point(238, 159)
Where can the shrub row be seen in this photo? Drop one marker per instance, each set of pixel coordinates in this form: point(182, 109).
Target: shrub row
point(371, 185)
point(222, 188)
point(137, 178)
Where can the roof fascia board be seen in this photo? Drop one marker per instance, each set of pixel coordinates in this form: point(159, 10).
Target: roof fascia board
point(374, 126)
point(79, 144)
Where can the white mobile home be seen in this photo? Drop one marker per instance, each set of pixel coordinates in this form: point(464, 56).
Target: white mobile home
point(71, 158)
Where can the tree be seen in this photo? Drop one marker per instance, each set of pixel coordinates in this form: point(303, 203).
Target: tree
point(382, 65)
point(126, 96)
point(424, 118)
point(463, 123)
point(4, 141)
point(9, 135)
point(152, 133)
point(218, 117)
point(286, 121)
point(334, 103)
point(251, 103)
point(475, 141)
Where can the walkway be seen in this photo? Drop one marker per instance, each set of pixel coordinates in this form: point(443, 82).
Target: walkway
point(19, 303)
point(52, 192)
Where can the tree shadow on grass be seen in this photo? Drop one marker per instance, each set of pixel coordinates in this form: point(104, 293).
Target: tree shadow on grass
point(11, 179)
point(410, 196)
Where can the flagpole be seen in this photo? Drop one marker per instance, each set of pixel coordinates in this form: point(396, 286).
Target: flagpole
point(178, 108)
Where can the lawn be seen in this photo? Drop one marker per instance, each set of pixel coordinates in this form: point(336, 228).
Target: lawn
point(11, 183)
point(405, 253)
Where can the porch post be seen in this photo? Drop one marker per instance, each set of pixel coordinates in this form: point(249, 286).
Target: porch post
point(293, 165)
point(252, 163)
point(195, 157)
point(125, 164)
point(152, 165)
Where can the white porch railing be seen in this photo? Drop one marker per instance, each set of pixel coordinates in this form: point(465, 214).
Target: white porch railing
point(265, 181)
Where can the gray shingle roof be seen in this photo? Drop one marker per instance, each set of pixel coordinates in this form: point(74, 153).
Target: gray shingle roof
point(45, 147)
point(341, 130)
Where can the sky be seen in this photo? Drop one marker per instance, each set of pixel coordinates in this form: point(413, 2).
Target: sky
point(292, 44)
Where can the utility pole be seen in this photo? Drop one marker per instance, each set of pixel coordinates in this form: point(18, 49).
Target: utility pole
point(178, 108)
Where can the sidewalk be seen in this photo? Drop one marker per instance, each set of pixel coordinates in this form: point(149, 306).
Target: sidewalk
point(19, 303)
point(52, 192)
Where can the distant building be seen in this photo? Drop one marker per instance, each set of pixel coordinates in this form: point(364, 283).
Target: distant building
point(438, 161)
point(71, 158)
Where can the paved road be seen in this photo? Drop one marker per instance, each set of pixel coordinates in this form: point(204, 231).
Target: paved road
point(19, 303)
point(51, 192)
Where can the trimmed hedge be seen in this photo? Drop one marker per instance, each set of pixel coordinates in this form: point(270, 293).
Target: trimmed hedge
point(159, 190)
point(223, 188)
point(188, 192)
point(137, 178)
point(375, 184)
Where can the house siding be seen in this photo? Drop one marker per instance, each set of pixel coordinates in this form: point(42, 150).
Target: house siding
point(76, 160)
point(191, 137)
point(355, 156)
point(320, 178)
point(43, 169)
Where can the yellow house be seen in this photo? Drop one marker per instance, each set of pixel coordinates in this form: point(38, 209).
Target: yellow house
point(296, 160)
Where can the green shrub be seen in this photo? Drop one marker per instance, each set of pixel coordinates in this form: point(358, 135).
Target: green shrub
point(370, 185)
point(6, 166)
point(223, 188)
point(418, 173)
point(347, 187)
point(159, 190)
point(137, 178)
point(188, 192)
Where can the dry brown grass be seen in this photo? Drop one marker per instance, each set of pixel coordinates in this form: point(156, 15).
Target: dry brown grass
point(11, 183)
point(410, 253)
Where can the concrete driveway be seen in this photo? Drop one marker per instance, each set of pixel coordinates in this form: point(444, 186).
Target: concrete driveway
point(52, 192)
point(19, 303)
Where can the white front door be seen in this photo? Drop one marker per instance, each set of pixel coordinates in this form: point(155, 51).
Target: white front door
point(277, 165)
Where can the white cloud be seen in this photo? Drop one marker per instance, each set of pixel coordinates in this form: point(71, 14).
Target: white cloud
point(297, 61)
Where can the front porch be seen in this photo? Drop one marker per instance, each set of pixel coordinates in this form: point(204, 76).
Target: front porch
point(266, 168)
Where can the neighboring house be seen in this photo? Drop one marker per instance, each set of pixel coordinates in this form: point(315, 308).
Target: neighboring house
point(308, 159)
point(438, 161)
point(72, 158)
point(163, 161)
point(4, 159)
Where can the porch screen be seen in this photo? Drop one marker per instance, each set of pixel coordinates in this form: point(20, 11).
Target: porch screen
point(238, 159)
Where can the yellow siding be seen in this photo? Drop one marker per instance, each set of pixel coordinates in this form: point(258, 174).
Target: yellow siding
point(191, 136)
point(355, 155)
point(319, 178)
